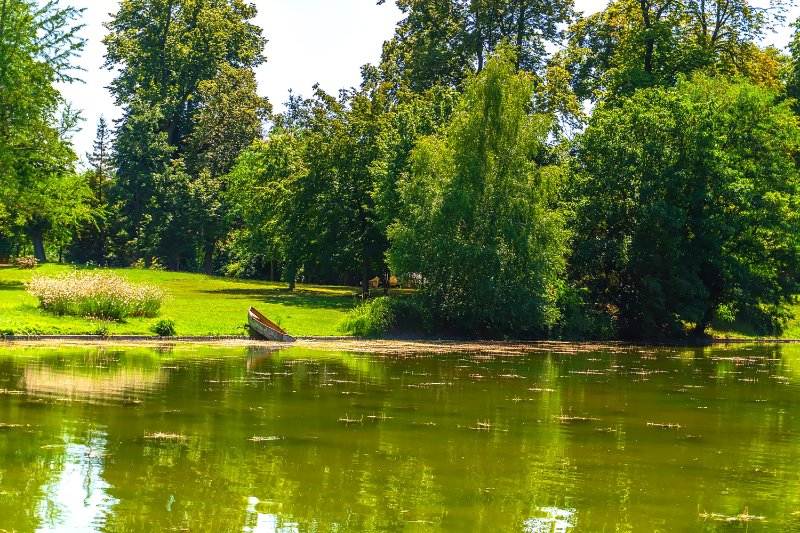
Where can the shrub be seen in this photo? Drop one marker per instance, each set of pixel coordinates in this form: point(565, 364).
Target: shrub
point(102, 330)
point(95, 294)
point(26, 262)
point(154, 264)
point(164, 328)
point(580, 320)
point(388, 316)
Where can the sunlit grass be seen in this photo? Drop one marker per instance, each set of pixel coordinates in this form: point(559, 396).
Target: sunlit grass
point(199, 305)
point(743, 330)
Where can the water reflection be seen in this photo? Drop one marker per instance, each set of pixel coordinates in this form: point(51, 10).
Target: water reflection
point(553, 520)
point(77, 497)
point(259, 522)
point(300, 440)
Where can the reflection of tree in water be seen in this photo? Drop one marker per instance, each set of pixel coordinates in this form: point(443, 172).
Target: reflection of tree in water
point(28, 464)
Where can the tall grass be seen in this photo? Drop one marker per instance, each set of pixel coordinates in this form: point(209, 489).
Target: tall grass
point(95, 294)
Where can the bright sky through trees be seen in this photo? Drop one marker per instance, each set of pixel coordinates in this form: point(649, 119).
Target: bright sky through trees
point(310, 41)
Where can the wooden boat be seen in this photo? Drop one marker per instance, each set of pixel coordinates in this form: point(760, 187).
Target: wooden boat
point(261, 326)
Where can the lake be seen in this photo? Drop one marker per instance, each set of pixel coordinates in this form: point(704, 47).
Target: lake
point(550, 438)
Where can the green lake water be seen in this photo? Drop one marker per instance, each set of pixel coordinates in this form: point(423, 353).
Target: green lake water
point(241, 439)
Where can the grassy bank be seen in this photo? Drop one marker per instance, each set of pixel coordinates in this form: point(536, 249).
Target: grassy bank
point(743, 330)
point(199, 305)
point(212, 306)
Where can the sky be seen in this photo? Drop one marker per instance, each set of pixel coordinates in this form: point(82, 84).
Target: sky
point(310, 41)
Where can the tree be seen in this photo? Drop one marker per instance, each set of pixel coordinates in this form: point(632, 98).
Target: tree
point(91, 239)
point(642, 43)
point(100, 160)
point(263, 193)
point(687, 210)
point(342, 144)
point(793, 74)
point(479, 226)
point(440, 42)
point(229, 119)
point(38, 192)
point(175, 59)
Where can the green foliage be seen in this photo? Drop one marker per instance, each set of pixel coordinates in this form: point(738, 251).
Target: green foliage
point(164, 327)
point(444, 166)
point(687, 200)
point(188, 92)
point(642, 43)
point(480, 225)
point(388, 316)
point(442, 42)
point(262, 191)
point(580, 319)
point(40, 194)
point(90, 238)
point(309, 192)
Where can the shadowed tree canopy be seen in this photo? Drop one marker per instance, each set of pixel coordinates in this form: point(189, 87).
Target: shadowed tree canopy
point(688, 206)
point(182, 65)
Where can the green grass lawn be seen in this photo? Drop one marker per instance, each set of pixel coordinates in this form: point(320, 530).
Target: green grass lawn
point(199, 305)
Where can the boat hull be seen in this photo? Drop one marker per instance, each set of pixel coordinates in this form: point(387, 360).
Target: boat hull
point(261, 326)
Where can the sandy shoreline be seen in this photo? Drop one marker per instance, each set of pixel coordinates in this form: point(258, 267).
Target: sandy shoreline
point(377, 346)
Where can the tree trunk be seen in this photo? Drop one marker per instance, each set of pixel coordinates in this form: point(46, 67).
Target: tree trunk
point(291, 274)
point(700, 328)
point(364, 280)
point(208, 258)
point(649, 42)
point(38, 247)
point(520, 32)
point(479, 49)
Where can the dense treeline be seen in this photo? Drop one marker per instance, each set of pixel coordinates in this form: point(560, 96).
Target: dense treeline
point(531, 171)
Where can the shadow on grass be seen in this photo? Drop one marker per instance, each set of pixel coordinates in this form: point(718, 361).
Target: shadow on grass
point(11, 286)
point(285, 297)
point(737, 328)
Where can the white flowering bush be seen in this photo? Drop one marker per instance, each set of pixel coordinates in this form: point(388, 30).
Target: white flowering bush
point(26, 262)
point(95, 294)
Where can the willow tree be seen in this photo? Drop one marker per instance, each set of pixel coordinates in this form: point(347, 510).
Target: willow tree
point(479, 227)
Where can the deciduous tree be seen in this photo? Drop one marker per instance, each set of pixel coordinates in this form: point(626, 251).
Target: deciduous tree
point(689, 206)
